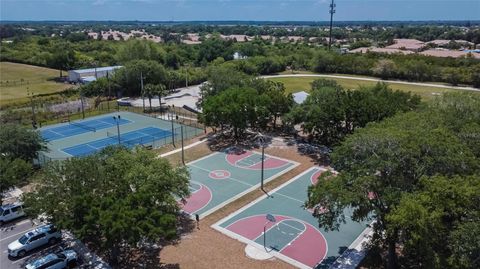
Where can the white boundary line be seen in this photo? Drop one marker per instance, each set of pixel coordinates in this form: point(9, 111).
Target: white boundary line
point(226, 202)
point(210, 211)
point(242, 239)
point(293, 262)
point(209, 200)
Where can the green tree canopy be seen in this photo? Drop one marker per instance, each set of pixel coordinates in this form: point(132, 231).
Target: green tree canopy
point(439, 223)
point(330, 112)
point(114, 199)
point(17, 141)
point(378, 164)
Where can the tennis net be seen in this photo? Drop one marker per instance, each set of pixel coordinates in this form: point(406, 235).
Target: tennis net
point(82, 126)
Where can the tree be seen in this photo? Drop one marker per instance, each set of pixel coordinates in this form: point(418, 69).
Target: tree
point(63, 57)
point(18, 147)
point(236, 109)
point(384, 69)
point(17, 141)
point(149, 91)
point(382, 162)
point(438, 223)
point(330, 112)
point(115, 200)
point(128, 78)
point(12, 172)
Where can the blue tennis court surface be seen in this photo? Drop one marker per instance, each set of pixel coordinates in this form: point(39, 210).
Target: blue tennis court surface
point(145, 136)
point(80, 127)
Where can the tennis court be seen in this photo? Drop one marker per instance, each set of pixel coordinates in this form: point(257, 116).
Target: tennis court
point(222, 177)
point(80, 127)
point(84, 137)
point(293, 235)
point(144, 137)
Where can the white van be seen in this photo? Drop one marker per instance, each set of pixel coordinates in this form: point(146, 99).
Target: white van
point(10, 212)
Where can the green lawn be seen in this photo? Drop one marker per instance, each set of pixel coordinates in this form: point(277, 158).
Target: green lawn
point(18, 79)
point(296, 84)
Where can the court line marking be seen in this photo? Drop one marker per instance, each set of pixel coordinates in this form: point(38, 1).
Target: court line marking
point(226, 202)
point(211, 196)
point(298, 235)
point(247, 241)
point(289, 197)
point(231, 178)
point(267, 156)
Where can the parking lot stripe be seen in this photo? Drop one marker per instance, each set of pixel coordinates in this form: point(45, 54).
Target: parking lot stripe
point(13, 235)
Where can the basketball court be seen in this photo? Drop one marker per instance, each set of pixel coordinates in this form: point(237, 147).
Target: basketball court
point(280, 225)
point(222, 177)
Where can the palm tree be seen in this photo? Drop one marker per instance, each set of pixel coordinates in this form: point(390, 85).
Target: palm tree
point(149, 91)
point(160, 90)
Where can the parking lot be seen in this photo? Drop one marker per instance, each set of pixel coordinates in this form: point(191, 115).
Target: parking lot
point(10, 232)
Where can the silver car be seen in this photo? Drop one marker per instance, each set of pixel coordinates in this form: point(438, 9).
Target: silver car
point(59, 260)
point(46, 234)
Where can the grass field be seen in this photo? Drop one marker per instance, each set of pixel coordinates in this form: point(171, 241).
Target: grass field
point(296, 84)
point(18, 79)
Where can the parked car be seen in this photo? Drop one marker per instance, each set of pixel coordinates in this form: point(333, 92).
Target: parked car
point(60, 260)
point(46, 234)
point(10, 212)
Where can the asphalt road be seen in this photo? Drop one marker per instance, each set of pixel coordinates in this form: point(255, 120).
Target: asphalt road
point(11, 232)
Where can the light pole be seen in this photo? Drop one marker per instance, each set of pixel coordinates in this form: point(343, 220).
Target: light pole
point(183, 151)
point(34, 120)
point(141, 86)
point(173, 130)
point(262, 140)
point(117, 120)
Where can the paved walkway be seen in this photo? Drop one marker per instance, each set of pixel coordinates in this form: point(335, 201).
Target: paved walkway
point(376, 80)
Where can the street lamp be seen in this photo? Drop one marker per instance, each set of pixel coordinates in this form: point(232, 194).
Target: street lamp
point(117, 120)
point(263, 141)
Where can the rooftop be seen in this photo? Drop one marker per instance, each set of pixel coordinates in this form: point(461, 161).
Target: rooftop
point(98, 69)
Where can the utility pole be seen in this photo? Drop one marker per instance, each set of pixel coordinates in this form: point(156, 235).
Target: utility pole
point(186, 76)
point(108, 99)
point(141, 86)
point(332, 11)
point(34, 120)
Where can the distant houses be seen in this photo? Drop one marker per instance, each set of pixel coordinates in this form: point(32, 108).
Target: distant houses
point(435, 48)
point(85, 76)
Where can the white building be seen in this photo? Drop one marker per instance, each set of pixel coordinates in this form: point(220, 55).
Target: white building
point(91, 74)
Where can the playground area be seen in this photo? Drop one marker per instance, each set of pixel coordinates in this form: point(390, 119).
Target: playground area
point(222, 177)
point(280, 226)
point(90, 135)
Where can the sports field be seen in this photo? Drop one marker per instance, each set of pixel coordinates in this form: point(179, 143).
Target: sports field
point(85, 137)
point(293, 235)
point(223, 177)
point(17, 79)
point(296, 84)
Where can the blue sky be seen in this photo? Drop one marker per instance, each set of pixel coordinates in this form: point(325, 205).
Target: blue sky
point(269, 10)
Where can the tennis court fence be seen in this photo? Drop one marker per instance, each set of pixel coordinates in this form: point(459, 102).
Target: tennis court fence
point(152, 141)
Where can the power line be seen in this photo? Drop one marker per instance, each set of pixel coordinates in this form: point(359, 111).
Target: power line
point(332, 11)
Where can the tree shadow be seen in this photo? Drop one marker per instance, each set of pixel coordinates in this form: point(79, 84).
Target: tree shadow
point(226, 142)
point(147, 254)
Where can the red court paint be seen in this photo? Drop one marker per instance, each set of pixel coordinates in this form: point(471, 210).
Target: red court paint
point(234, 158)
point(269, 163)
point(198, 199)
point(309, 248)
point(219, 174)
point(314, 177)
